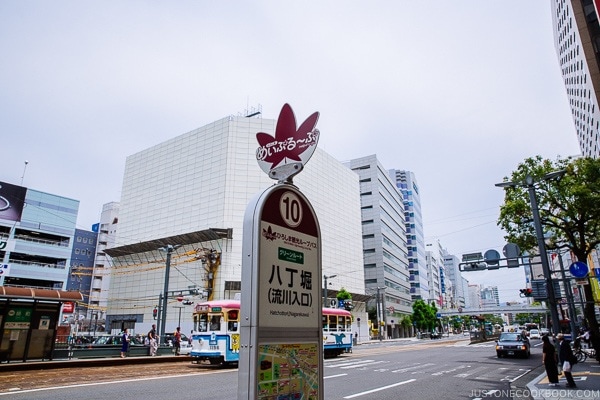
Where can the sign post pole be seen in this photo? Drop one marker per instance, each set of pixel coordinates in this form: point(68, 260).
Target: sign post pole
point(281, 348)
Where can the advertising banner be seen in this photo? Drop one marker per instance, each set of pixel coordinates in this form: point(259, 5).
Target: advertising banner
point(12, 200)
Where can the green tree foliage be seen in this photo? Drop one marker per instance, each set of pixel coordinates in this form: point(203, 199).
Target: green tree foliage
point(424, 315)
point(494, 319)
point(568, 209)
point(343, 294)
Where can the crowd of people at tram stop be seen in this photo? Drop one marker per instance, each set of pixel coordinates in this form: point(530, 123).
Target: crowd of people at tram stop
point(151, 340)
point(558, 357)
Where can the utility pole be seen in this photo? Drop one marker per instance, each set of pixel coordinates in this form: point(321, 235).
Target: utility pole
point(379, 313)
point(168, 249)
point(529, 183)
point(543, 254)
point(325, 277)
point(569, 293)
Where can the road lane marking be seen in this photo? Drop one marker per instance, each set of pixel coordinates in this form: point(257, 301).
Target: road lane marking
point(363, 364)
point(334, 376)
point(406, 369)
point(348, 363)
point(379, 389)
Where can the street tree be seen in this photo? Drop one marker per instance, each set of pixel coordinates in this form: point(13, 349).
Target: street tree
point(568, 211)
point(424, 315)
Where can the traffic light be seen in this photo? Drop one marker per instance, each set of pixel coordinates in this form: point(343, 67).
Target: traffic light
point(474, 266)
point(155, 313)
point(526, 292)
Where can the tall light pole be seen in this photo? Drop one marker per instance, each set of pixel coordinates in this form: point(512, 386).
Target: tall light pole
point(529, 183)
point(168, 249)
point(325, 277)
point(24, 169)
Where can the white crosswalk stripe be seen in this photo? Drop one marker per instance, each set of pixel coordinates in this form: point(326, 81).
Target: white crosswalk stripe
point(464, 371)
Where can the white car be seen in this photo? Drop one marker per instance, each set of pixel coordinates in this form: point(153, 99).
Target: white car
point(185, 348)
point(534, 334)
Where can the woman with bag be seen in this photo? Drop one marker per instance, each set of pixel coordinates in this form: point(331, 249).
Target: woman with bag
point(565, 354)
point(549, 360)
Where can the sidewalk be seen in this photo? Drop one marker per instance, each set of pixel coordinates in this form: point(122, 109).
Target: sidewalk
point(586, 376)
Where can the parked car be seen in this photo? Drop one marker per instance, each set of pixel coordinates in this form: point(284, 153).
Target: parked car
point(535, 334)
point(513, 344)
point(113, 341)
point(185, 347)
point(169, 339)
point(544, 331)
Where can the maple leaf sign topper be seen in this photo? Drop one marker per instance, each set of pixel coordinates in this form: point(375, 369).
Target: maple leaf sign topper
point(283, 156)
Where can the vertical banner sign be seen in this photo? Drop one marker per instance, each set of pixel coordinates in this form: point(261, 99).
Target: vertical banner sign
point(281, 352)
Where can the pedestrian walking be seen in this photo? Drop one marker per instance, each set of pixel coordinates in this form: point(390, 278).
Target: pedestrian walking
point(177, 340)
point(567, 359)
point(153, 343)
point(550, 361)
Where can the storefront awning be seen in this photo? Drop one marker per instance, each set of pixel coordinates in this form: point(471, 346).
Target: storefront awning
point(39, 294)
point(206, 235)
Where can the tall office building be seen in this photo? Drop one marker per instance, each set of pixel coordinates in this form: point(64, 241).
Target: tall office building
point(475, 295)
point(459, 297)
point(82, 263)
point(490, 297)
point(438, 286)
point(384, 242)
point(188, 196)
point(577, 42)
point(406, 182)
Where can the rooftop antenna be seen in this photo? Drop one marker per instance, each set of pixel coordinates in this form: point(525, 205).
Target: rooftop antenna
point(24, 169)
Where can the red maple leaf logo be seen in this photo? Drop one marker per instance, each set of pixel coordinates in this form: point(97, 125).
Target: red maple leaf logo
point(288, 142)
point(269, 234)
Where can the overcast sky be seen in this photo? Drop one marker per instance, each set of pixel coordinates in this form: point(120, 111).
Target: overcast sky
point(458, 91)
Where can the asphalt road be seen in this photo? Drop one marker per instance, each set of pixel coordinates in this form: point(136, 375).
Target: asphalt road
point(386, 370)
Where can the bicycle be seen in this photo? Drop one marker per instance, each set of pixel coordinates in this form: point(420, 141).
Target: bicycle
point(580, 353)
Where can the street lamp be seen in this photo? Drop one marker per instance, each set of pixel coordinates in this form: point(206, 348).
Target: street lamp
point(529, 183)
point(325, 277)
point(168, 249)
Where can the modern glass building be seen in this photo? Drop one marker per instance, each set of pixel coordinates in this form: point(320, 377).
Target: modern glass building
point(37, 232)
point(188, 195)
point(406, 182)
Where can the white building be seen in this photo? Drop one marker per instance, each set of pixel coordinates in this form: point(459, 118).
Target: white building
point(490, 297)
point(576, 38)
point(193, 191)
point(99, 290)
point(475, 295)
point(438, 285)
point(384, 242)
point(459, 287)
